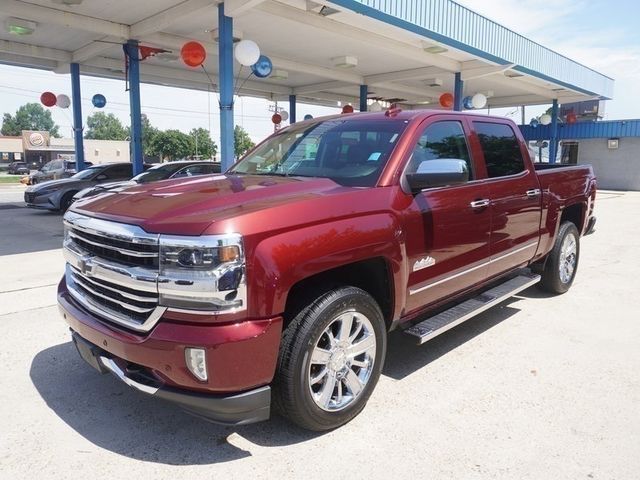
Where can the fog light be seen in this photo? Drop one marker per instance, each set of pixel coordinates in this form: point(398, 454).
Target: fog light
point(196, 362)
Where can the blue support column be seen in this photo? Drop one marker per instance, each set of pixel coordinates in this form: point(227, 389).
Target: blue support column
point(76, 102)
point(458, 88)
point(292, 109)
point(225, 83)
point(364, 93)
point(131, 49)
point(553, 142)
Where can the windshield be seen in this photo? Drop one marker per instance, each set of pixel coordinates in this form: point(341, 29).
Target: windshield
point(158, 172)
point(350, 152)
point(87, 173)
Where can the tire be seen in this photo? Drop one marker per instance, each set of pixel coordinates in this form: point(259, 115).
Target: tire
point(562, 262)
point(317, 401)
point(66, 201)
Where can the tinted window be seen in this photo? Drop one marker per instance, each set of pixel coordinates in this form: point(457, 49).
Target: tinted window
point(118, 172)
point(192, 170)
point(441, 140)
point(501, 149)
point(350, 152)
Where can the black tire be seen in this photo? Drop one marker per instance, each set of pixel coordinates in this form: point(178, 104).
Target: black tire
point(292, 394)
point(553, 279)
point(66, 201)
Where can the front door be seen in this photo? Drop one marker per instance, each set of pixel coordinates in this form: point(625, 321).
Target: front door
point(448, 228)
point(515, 197)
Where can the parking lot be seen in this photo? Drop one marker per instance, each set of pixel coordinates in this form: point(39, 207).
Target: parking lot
point(541, 387)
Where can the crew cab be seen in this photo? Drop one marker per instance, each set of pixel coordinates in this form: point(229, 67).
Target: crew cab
point(274, 285)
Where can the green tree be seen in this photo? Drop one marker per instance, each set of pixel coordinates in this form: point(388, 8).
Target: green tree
point(31, 116)
point(148, 134)
point(171, 144)
point(105, 126)
point(203, 146)
point(241, 141)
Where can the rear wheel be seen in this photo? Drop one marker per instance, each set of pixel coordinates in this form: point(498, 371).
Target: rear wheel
point(562, 264)
point(330, 360)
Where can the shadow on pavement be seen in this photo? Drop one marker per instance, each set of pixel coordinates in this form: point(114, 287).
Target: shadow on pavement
point(114, 417)
point(26, 230)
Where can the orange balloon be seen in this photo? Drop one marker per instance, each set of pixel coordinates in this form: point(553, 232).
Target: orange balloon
point(193, 54)
point(446, 100)
point(347, 109)
point(572, 118)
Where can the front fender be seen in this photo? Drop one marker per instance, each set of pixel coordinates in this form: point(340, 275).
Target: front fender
point(281, 261)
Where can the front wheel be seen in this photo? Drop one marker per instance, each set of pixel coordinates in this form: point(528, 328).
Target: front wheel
point(330, 360)
point(562, 264)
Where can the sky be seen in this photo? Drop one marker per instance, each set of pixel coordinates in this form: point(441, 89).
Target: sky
point(603, 35)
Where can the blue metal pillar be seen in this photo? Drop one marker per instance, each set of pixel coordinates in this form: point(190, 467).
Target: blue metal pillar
point(131, 49)
point(76, 102)
point(292, 109)
point(457, 92)
point(364, 93)
point(553, 142)
point(225, 83)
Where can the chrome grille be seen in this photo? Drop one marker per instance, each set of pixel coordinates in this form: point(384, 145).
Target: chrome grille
point(112, 270)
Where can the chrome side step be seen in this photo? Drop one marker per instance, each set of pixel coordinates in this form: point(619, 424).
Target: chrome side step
point(443, 321)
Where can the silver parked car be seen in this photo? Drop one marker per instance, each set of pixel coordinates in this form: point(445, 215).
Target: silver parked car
point(162, 171)
point(58, 194)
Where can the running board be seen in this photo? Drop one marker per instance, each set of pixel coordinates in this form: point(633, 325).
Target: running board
point(443, 321)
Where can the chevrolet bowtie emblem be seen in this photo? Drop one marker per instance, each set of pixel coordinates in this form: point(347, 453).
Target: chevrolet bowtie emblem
point(85, 264)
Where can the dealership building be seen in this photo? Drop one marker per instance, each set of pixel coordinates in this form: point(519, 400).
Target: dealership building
point(37, 148)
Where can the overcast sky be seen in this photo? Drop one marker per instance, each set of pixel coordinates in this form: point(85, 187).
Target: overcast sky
point(601, 34)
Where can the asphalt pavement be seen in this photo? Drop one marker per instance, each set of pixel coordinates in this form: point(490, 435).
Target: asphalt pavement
point(541, 387)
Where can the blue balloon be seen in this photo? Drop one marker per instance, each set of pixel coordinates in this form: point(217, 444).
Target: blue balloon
point(98, 100)
point(534, 123)
point(467, 102)
point(263, 67)
point(308, 116)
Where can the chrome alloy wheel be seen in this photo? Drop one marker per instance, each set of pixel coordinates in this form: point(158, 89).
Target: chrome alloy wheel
point(342, 361)
point(568, 258)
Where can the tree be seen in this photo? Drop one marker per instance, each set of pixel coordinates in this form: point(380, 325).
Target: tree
point(105, 126)
point(171, 144)
point(30, 116)
point(241, 141)
point(203, 145)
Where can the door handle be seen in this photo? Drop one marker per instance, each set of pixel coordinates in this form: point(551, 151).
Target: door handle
point(533, 193)
point(485, 202)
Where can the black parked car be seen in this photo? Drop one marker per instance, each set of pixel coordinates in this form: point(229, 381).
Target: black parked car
point(18, 168)
point(162, 171)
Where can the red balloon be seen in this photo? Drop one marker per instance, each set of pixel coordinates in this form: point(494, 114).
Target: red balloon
point(48, 99)
point(572, 117)
point(347, 109)
point(193, 54)
point(446, 100)
point(276, 118)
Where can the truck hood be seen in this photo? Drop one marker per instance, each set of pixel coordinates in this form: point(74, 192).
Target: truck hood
point(189, 206)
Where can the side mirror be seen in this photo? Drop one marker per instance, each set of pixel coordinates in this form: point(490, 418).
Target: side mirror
point(438, 173)
point(101, 177)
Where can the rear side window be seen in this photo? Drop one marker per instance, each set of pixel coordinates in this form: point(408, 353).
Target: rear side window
point(501, 149)
point(118, 172)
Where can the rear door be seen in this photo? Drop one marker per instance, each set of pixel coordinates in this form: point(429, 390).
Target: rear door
point(515, 196)
point(448, 229)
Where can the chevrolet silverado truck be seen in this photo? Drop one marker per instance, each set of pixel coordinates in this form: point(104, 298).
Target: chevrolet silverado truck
point(274, 285)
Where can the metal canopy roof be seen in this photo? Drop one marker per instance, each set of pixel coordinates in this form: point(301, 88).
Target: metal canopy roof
point(391, 40)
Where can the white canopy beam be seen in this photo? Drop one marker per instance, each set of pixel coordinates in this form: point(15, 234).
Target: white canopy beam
point(235, 8)
point(25, 49)
point(480, 72)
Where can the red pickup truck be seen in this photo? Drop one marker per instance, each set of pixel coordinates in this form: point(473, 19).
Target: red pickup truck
point(277, 282)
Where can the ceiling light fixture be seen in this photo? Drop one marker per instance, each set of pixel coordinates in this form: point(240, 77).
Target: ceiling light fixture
point(19, 26)
point(279, 75)
point(433, 48)
point(347, 61)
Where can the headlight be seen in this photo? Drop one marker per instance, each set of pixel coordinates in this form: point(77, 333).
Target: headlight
point(202, 273)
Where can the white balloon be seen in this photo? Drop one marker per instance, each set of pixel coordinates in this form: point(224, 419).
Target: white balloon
point(545, 119)
point(375, 107)
point(284, 115)
point(247, 52)
point(478, 100)
point(63, 101)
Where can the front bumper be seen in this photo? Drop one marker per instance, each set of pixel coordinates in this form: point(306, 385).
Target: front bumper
point(236, 409)
point(45, 202)
point(241, 360)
